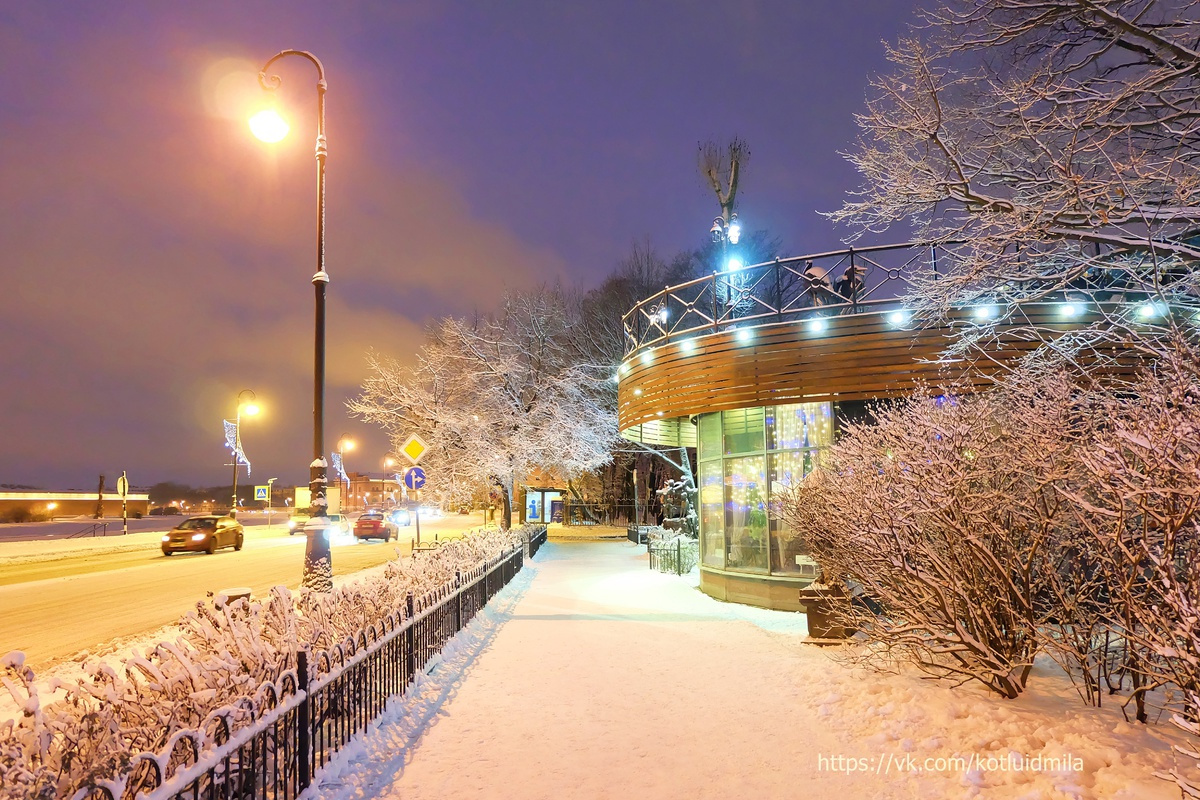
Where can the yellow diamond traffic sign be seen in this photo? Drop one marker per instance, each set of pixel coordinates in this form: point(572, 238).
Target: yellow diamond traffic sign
point(414, 448)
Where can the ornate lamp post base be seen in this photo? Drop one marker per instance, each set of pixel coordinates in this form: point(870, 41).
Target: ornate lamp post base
point(318, 562)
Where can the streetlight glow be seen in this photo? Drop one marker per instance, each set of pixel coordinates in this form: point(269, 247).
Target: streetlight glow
point(318, 561)
point(268, 126)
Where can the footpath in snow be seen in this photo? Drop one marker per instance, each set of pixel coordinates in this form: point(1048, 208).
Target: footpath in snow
point(590, 676)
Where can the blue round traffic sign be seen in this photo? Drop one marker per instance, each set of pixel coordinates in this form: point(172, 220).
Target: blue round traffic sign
point(414, 478)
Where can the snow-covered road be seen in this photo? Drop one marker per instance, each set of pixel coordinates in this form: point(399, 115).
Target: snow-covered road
point(59, 598)
point(592, 677)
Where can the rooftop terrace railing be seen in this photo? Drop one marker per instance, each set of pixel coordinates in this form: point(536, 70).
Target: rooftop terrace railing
point(779, 291)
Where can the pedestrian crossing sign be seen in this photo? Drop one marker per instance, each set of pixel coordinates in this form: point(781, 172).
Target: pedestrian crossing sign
point(260, 492)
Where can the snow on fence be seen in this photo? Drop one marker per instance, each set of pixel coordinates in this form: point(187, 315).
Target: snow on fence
point(671, 551)
point(270, 745)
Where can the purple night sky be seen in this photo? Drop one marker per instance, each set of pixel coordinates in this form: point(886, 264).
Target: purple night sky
point(156, 257)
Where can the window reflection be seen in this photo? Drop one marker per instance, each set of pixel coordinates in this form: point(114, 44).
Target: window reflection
point(748, 458)
point(712, 514)
point(746, 513)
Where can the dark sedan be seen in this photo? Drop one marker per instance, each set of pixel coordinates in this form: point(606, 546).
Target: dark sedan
point(205, 534)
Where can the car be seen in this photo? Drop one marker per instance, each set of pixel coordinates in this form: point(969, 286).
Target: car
point(374, 525)
point(203, 534)
point(297, 522)
point(400, 517)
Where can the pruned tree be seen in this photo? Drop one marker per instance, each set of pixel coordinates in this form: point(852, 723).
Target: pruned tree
point(1054, 142)
point(498, 397)
point(721, 165)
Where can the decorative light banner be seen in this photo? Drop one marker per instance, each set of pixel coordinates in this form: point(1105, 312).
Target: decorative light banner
point(235, 447)
point(339, 472)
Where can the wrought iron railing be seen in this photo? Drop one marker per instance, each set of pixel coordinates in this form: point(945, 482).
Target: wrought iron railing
point(301, 721)
point(90, 530)
point(779, 291)
point(673, 555)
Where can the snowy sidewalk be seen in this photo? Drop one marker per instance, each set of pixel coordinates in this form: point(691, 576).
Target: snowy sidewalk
point(592, 677)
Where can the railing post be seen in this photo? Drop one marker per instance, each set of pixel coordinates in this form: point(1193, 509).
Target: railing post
point(678, 556)
point(303, 717)
point(458, 615)
point(410, 642)
point(853, 284)
point(778, 293)
point(715, 302)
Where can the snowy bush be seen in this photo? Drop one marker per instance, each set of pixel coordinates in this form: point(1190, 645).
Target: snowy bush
point(675, 551)
point(226, 667)
point(945, 513)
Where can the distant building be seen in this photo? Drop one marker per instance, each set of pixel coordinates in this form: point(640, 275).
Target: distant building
point(72, 504)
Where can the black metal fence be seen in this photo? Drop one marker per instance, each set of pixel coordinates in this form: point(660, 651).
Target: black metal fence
point(677, 556)
point(614, 515)
point(313, 711)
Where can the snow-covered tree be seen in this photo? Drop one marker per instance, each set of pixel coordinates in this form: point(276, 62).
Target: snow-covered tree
point(1055, 141)
point(943, 514)
point(498, 397)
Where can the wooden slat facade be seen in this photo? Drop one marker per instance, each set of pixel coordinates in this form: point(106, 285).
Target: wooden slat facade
point(856, 357)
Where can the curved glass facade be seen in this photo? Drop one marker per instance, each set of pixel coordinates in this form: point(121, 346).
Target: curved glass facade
point(745, 456)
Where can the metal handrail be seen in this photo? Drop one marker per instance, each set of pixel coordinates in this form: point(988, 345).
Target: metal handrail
point(778, 291)
point(89, 530)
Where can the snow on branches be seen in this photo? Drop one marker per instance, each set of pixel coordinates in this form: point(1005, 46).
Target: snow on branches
point(227, 666)
point(499, 397)
point(974, 532)
point(1053, 142)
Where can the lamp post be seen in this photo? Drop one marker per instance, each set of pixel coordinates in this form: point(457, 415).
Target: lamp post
point(346, 444)
point(270, 489)
point(251, 408)
point(727, 231)
point(318, 563)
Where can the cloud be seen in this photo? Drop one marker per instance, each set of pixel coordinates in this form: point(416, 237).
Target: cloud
point(158, 260)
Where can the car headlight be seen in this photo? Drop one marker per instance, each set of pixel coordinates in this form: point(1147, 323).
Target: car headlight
point(166, 537)
point(198, 537)
point(292, 523)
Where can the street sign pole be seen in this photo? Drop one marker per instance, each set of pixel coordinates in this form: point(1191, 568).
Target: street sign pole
point(123, 490)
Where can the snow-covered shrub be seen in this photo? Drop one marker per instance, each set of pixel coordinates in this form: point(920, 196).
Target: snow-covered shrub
point(228, 661)
point(1141, 510)
point(944, 513)
point(674, 551)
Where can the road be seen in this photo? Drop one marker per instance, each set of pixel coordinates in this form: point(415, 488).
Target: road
point(58, 598)
point(85, 528)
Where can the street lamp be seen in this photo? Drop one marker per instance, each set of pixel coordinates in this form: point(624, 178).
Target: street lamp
point(270, 489)
point(318, 562)
point(726, 232)
point(245, 403)
point(346, 444)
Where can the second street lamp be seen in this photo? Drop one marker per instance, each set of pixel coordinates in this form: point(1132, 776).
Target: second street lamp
point(318, 562)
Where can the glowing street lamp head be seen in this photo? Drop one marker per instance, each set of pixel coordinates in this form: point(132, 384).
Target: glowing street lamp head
point(250, 409)
point(268, 126)
point(735, 230)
